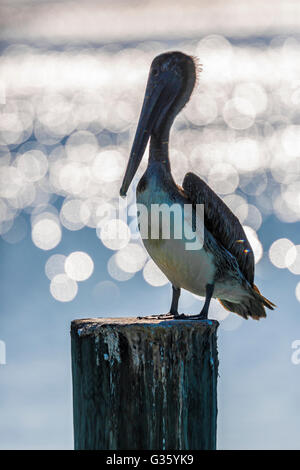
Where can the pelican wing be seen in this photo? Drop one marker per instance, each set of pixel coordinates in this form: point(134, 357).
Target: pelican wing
point(222, 223)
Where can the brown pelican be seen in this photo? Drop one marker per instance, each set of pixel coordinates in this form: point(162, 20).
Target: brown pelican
point(223, 267)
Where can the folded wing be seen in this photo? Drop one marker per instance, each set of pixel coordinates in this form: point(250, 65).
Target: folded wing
point(222, 223)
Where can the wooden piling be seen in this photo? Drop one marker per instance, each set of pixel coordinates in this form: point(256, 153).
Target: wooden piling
point(144, 384)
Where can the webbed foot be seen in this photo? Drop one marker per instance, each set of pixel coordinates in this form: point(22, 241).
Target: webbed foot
point(163, 316)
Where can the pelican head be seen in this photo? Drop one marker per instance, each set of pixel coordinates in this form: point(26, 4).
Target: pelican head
point(170, 84)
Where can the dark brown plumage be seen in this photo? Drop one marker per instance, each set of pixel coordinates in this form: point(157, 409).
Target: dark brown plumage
point(228, 231)
point(222, 223)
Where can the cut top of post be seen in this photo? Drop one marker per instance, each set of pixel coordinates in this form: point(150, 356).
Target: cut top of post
point(93, 326)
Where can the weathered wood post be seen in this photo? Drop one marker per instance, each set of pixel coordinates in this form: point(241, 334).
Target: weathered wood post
point(144, 384)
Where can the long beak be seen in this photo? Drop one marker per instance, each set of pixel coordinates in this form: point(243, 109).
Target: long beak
point(145, 125)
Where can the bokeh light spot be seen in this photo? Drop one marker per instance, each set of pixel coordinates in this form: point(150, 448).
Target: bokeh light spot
point(278, 252)
point(79, 266)
point(55, 265)
point(17, 232)
point(153, 275)
point(115, 234)
point(239, 113)
point(223, 178)
point(75, 214)
point(63, 288)
point(131, 258)
point(116, 272)
point(46, 233)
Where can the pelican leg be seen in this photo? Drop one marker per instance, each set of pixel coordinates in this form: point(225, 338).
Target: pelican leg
point(173, 314)
point(204, 312)
point(175, 299)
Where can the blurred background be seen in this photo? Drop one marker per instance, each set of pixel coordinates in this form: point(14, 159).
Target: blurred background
point(72, 78)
